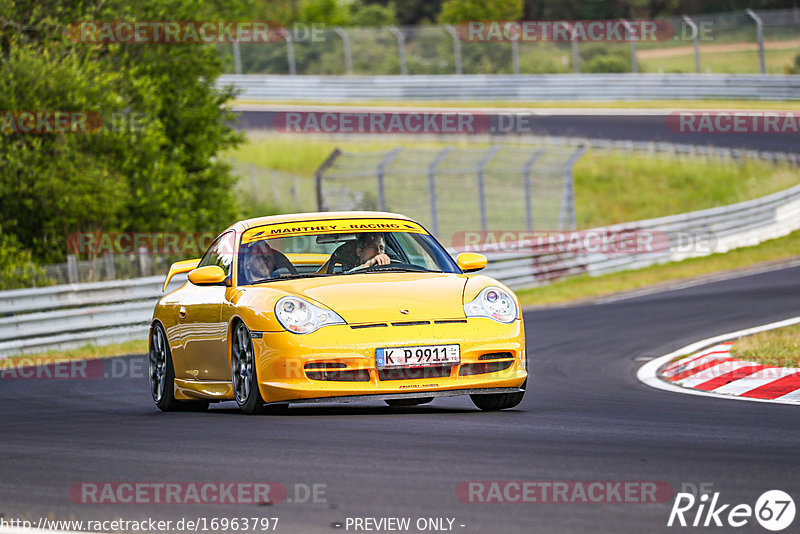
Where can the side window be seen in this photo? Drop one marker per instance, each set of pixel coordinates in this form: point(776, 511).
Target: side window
point(220, 253)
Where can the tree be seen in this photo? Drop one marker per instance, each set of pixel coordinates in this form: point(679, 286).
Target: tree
point(161, 173)
point(456, 11)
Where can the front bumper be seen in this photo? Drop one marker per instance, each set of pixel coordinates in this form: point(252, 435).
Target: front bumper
point(282, 359)
point(396, 396)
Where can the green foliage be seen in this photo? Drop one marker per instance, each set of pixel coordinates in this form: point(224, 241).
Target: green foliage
point(159, 174)
point(606, 63)
point(362, 14)
point(17, 269)
point(456, 11)
point(330, 12)
point(795, 68)
point(603, 57)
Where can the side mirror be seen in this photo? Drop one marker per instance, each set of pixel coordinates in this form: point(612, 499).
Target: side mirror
point(208, 275)
point(470, 261)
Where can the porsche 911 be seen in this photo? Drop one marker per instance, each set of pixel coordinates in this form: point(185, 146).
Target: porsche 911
point(334, 307)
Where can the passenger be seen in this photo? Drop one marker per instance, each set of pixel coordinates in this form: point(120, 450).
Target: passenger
point(262, 262)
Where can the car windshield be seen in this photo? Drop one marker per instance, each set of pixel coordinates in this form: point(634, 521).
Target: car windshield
point(316, 249)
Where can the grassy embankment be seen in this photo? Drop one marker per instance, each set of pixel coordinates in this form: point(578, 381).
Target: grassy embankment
point(609, 188)
point(779, 347)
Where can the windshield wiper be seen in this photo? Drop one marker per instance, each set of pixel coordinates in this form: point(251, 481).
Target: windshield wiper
point(290, 277)
point(383, 269)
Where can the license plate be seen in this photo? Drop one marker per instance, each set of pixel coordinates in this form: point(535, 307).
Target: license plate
point(420, 356)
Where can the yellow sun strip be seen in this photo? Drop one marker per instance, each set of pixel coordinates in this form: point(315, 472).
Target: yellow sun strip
point(340, 226)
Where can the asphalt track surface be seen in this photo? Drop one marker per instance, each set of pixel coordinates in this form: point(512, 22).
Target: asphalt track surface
point(624, 125)
point(585, 418)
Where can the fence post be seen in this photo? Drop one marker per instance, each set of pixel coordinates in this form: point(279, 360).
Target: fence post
point(144, 261)
point(401, 49)
point(296, 191)
point(348, 54)
point(576, 58)
point(432, 187)
point(481, 186)
point(632, 35)
point(695, 42)
point(290, 53)
point(237, 58)
point(566, 216)
point(381, 171)
point(515, 55)
point(253, 184)
point(760, 37)
point(318, 175)
point(526, 177)
point(72, 269)
point(456, 48)
point(108, 258)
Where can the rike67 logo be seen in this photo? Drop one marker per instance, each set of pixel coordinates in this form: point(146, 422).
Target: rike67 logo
point(774, 510)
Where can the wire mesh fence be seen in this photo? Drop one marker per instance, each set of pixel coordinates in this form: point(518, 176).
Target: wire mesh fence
point(725, 43)
point(264, 191)
point(99, 269)
point(452, 190)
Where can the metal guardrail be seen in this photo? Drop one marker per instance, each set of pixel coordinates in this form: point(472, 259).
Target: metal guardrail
point(515, 88)
point(60, 317)
point(67, 316)
point(658, 147)
point(675, 238)
point(508, 49)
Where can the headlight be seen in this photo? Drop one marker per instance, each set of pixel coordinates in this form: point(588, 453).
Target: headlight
point(494, 303)
point(301, 317)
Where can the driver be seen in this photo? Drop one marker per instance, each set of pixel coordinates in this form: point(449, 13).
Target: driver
point(370, 250)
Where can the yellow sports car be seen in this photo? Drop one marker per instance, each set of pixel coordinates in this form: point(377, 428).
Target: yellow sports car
point(334, 307)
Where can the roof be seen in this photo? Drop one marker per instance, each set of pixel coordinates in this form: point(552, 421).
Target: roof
point(317, 216)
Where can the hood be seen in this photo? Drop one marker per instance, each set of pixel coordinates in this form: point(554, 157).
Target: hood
point(379, 297)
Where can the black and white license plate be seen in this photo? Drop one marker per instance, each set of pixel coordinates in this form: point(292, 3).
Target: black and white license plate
point(419, 356)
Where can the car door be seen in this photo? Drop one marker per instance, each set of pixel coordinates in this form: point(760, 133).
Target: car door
point(204, 334)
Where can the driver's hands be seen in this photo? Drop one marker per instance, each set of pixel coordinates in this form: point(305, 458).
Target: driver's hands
point(380, 259)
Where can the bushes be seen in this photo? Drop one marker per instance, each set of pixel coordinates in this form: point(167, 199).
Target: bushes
point(17, 268)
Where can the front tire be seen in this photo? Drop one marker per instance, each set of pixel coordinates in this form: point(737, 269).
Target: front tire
point(162, 376)
point(497, 401)
point(244, 377)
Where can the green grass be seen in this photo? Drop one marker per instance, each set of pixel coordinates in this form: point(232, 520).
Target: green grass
point(733, 62)
point(610, 187)
point(586, 287)
point(780, 347)
point(614, 187)
point(86, 352)
point(295, 153)
point(633, 104)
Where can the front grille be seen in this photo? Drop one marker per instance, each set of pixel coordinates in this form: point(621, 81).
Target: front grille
point(468, 369)
point(495, 356)
point(411, 323)
point(413, 373)
point(358, 375)
point(325, 365)
point(375, 325)
point(450, 321)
